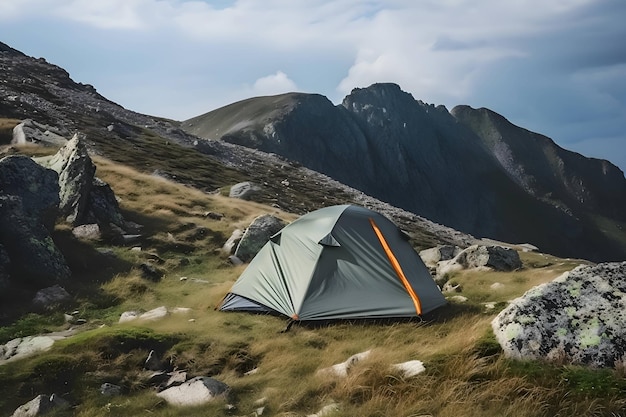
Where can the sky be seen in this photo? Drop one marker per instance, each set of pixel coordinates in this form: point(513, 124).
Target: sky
point(554, 67)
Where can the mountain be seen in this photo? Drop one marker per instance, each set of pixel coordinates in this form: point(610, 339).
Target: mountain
point(468, 169)
point(33, 88)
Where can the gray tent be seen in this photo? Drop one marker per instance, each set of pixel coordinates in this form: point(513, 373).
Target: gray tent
point(339, 262)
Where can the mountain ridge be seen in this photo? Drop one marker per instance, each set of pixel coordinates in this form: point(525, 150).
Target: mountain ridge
point(441, 165)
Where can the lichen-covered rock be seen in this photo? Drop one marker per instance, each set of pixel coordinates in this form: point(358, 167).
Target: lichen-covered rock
point(495, 257)
point(30, 131)
point(437, 254)
point(76, 170)
point(51, 297)
point(579, 318)
point(36, 186)
point(35, 259)
point(257, 235)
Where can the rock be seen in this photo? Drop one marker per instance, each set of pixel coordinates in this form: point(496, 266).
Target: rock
point(410, 368)
point(51, 297)
point(110, 390)
point(458, 298)
point(479, 256)
point(41, 404)
point(214, 216)
point(34, 257)
point(37, 188)
point(175, 378)
point(76, 171)
point(232, 242)
point(150, 272)
point(244, 190)
point(154, 314)
point(30, 131)
point(87, 232)
point(494, 257)
point(235, 261)
point(197, 391)
point(496, 286)
point(5, 267)
point(257, 235)
point(22, 347)
point(326, 411)
point(579, 318)
point(153, 363)
point(437, 254)
point(450, 287)
point(84, 198)
point(128, 316)
point(341, 369)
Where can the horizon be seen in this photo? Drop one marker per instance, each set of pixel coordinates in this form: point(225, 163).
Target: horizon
point(557, 69)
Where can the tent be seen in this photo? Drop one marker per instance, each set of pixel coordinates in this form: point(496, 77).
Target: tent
point(339, 262)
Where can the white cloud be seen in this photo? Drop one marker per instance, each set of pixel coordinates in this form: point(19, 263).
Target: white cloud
point(274, 84)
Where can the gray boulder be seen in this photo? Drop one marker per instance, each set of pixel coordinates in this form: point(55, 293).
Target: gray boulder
point(110, 390)
point(494, 257)
point(257, 235)
point(51, 297)
point(197, 391)
point(244, 190)
point(40, 405)
point(433, 256)
point(578, 318)
point(76, 171)
point(36, 186)
point(30, 131)
point(35, 259)
point(232, 242)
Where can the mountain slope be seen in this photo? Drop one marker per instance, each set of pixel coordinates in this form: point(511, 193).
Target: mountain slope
point(437, 164)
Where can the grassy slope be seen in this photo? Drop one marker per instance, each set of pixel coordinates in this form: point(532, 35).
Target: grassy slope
point(466, 374)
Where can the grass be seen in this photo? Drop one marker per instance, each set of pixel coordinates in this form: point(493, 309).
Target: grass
point(466, 373)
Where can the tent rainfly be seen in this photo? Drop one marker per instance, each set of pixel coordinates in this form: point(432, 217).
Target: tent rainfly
point(339, 262)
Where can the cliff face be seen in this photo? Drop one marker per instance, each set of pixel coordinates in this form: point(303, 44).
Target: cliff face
point(468, 169)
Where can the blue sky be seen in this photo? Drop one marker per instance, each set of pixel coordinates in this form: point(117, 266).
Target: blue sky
point(555, 67)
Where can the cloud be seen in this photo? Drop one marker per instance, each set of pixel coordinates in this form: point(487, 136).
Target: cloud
point(274, 84)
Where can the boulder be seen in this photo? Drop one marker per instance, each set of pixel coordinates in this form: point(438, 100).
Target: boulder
point(495, 257)
point(479, 256)
point(341, 369)
point(51, 297)
point(84, 198)
point(244, 190)
point(22, 347)
point(30, 131)
point(36, 186)
point(76, 171)
point(410, 368)
point(232, 242)
point(110, 390)
point(40, 405)
point(579, 318)
point(257, 235)
point(433, 256)
point(35, 259)
point(197, 391)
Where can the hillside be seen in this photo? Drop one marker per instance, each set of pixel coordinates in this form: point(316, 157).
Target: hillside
point(456, 168)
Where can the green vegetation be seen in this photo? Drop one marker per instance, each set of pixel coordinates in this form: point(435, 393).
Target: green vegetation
point(466, 373)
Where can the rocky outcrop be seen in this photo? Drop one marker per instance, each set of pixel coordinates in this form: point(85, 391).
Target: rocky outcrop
point(84, 198)
point(578, 318)
point(29, 199)
point(257, 235)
